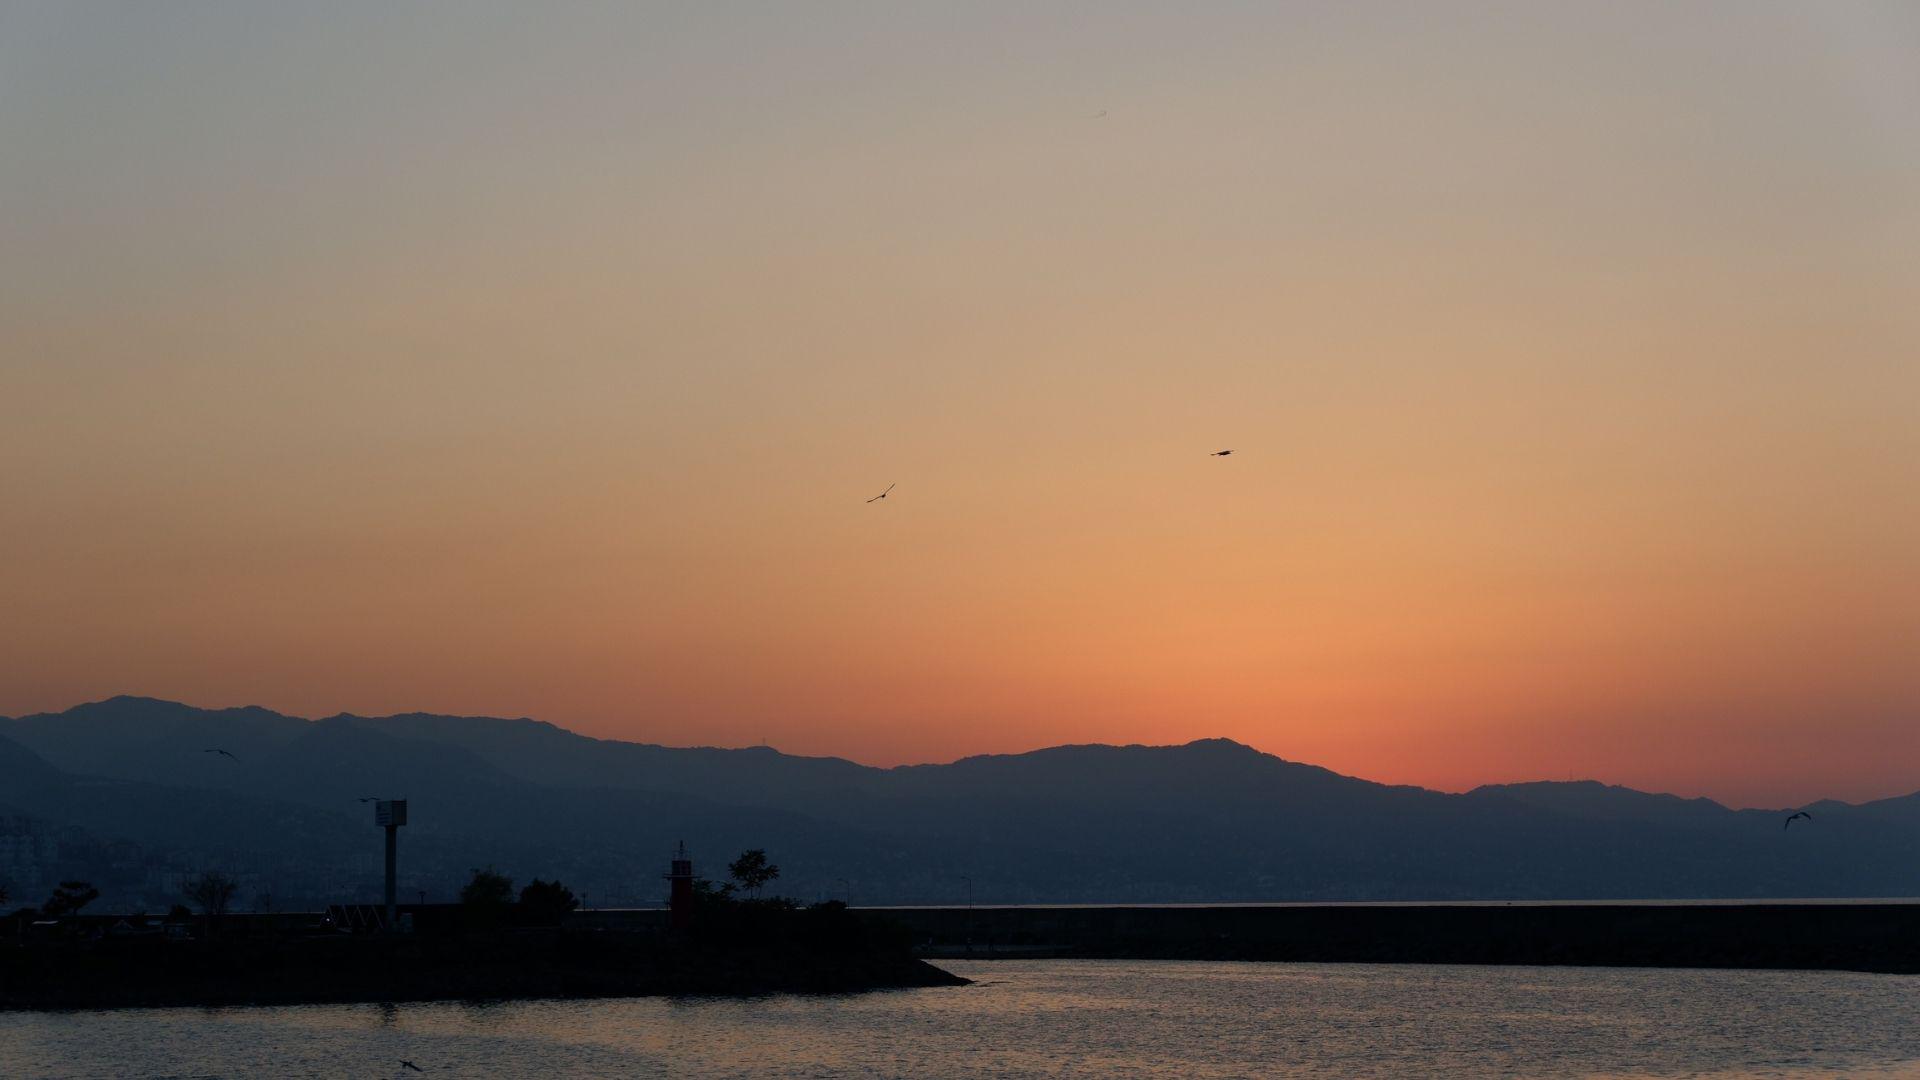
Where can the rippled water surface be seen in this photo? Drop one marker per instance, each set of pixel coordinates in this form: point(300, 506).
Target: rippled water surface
point(1059, 1018)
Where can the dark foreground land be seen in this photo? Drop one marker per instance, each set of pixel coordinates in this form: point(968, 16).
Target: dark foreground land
point(509, 963)
point(1838, 936)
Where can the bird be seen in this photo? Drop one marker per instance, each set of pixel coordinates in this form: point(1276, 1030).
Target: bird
point(221, 752)
point(1797, 814)
point(1221, 453)
point(371, 798)
point(412, 1066)
point(1101, 115)
point(883, 494)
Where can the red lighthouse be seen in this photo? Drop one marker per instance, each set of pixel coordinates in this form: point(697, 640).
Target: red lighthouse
point(680, 896)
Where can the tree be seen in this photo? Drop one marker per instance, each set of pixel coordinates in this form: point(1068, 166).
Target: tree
point(489, 888)
point(752, 871)
point(486, 898)
point(707, 890)
point(213, 893)
point(69, 898)
point(544, 903)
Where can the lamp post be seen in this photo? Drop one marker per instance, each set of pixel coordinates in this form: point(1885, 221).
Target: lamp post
point(848, 885)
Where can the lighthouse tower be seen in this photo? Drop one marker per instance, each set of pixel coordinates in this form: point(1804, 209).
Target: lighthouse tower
point(680, 896)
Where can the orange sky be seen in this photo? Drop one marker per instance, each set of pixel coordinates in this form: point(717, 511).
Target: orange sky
point(473, 360)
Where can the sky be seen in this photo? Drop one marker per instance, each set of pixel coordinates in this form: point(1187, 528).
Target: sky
point(538, 360)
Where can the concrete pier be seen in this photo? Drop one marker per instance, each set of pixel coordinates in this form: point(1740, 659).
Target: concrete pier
point(1873, 936)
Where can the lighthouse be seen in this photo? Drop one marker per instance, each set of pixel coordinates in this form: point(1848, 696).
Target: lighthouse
point(680, 895)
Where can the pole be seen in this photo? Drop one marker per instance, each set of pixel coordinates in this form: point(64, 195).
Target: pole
point(393, 860)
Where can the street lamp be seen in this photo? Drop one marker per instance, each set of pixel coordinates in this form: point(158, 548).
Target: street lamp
point(849, 888)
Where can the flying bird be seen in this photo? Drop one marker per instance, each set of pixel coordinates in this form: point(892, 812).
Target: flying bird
point(412, 1066)
point(371, 798)
point(1791, 817)
point(883, 494)
point(1101, 115)
point(1221, 453)
point(220, 752)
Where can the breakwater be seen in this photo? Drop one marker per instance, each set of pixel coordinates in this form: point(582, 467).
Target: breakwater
point(796, 953)
point(1883, 937)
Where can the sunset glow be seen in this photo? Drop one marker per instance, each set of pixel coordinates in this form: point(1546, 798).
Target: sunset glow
point(518, 368)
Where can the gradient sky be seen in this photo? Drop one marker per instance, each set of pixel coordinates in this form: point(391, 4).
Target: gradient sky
point(520, 360)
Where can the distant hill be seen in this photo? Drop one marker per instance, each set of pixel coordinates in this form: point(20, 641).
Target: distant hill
point(1595, 801)
point(1210, 820)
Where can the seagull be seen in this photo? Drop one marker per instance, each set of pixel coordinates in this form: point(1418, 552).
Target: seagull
point(223, 752)
point(1220, 453)
point(412, 1066)
point(1101, 115)
point(1790, 818)
point(371, 798)
point(883, 494)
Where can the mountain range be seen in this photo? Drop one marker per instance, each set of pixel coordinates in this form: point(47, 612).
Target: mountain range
point(1210, 820)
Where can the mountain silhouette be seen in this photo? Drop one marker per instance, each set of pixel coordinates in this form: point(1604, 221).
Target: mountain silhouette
point(1210, 820)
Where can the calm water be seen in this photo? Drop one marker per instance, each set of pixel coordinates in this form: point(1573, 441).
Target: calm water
point(1047, 1018)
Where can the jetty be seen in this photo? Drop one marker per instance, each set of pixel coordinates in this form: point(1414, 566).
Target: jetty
point(1880, 936)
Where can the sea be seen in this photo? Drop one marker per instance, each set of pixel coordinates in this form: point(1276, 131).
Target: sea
point(1057, 1018)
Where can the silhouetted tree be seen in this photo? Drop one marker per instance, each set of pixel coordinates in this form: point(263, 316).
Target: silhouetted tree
point(69, 898)
point(213, 893)
point(752, 871)
point(488, 888)
point(544, 903)
point(707, 892)
point(486, 898)
point(179, 913)
point(3, 892)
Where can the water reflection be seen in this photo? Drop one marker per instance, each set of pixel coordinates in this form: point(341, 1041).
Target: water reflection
point(1060, 1019)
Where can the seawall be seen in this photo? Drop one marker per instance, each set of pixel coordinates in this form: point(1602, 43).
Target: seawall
point(1883, 937)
